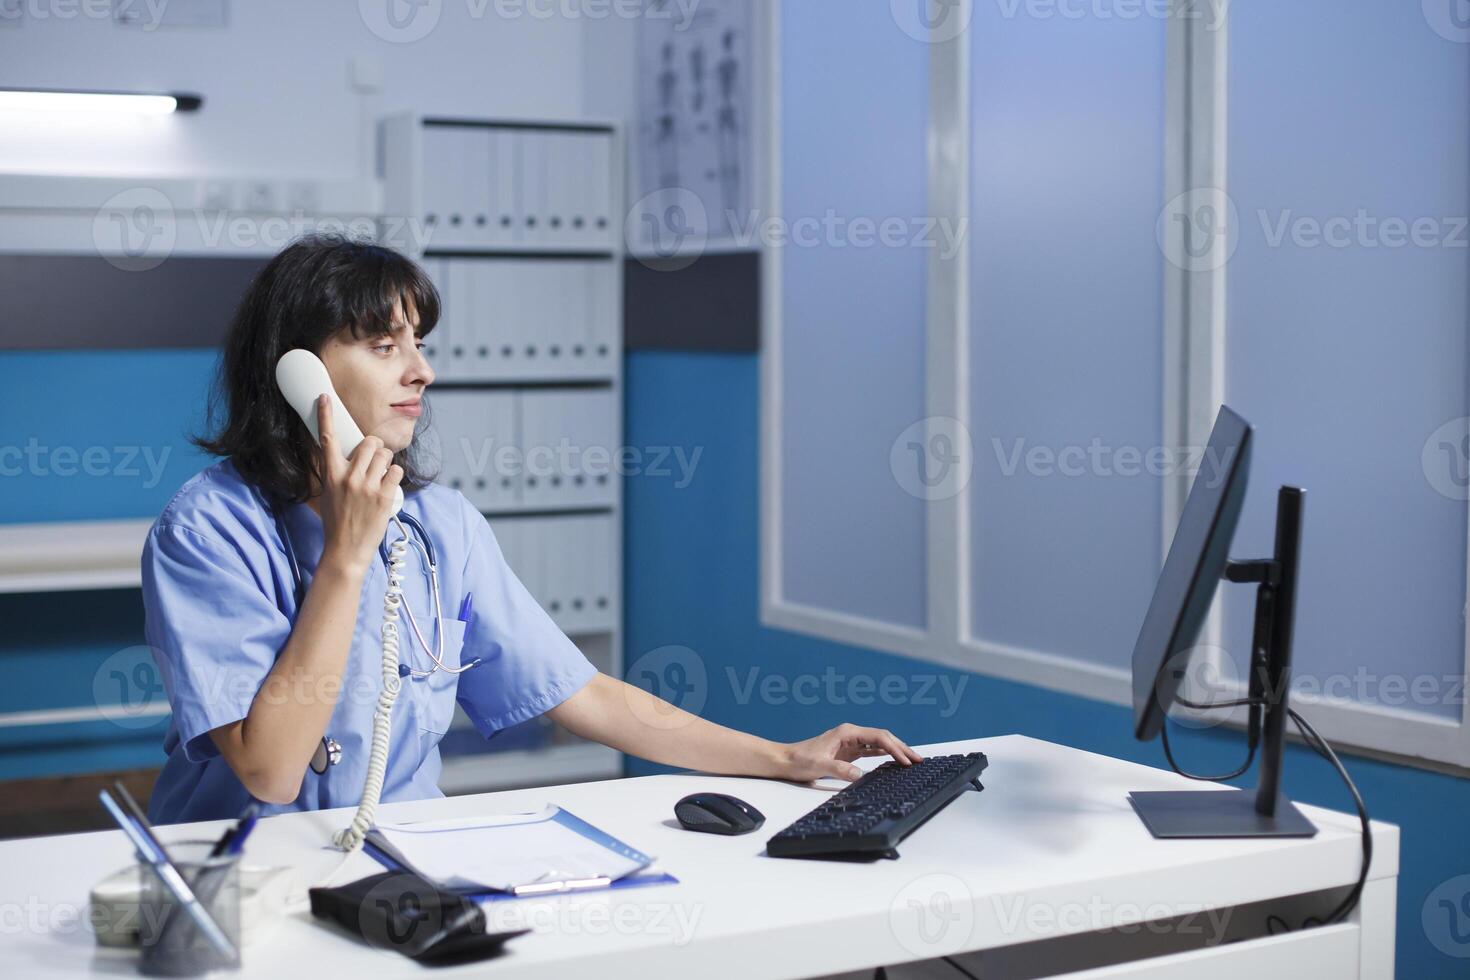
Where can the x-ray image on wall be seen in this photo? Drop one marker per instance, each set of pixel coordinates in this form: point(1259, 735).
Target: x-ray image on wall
point(693, 168)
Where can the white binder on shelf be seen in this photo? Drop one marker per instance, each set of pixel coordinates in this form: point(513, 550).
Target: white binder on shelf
point(582, 571)
point(600, 573)
point(599, 325)
point(507, 532)
point(475, 428)
point(498, 329)
point(439, 438)
point(569, 327)
point(587, 419)
point(549, 537)
point(435, 344)
point(518, 537)
point(538, 446)
point(504, 182)
point(531, 153)
point(548, 318)
point(453, 145)
point(440, 175)
point(479, 350)
point(475, 169)
point(496, 452)
point(581, 225)
point(554, 187)
point(604, 223)
point(533, 559)
point(565, 297)
point(460, 307)
point(569, 424)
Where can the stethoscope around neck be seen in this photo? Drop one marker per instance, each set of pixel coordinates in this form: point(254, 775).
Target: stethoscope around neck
point(329, 751)
point(419, 539)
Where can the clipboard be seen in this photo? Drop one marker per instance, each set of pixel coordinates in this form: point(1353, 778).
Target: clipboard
point(383, 851)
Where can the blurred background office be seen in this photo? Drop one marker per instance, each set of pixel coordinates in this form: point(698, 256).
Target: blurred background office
point(856, 354)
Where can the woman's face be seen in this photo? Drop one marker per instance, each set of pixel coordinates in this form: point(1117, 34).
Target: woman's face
point(381, 380)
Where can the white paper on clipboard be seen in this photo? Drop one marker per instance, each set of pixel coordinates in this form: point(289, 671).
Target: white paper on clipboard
point(505, 852)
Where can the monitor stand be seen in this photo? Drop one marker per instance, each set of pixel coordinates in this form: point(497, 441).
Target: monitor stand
point(1234, 812)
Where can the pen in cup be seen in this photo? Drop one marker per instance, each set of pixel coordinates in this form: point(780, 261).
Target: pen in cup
point(151, 853)
point(233, 839)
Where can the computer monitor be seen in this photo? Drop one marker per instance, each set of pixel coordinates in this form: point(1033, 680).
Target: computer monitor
point(1199, 557)
point(1196, 562)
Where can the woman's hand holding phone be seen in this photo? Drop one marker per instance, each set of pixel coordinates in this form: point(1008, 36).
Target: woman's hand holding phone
point(358, 493)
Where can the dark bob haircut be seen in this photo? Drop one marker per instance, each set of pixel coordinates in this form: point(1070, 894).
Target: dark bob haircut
point(317, 286)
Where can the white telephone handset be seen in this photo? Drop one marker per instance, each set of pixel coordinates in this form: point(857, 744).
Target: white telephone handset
point(303, 378)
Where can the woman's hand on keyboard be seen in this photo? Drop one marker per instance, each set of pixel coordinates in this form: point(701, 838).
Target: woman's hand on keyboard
point(832, 752)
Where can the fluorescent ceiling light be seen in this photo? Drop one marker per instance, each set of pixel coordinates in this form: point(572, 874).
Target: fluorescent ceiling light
point(56, 101)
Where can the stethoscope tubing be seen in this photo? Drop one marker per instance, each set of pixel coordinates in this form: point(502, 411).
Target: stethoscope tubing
point(419, 539)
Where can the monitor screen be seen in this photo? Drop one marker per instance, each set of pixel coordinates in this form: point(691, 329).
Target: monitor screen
point(1197, 559)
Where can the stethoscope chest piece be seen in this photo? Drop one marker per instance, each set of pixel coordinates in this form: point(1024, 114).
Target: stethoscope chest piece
point(328, 753)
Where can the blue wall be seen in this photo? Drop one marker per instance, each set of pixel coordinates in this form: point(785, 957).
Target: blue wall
point(692, 581)
point(111, 443)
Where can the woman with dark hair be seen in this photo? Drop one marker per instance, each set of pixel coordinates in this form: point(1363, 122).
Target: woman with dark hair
point(264, 593)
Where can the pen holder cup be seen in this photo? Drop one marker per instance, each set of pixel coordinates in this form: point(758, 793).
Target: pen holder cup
point(171, 942)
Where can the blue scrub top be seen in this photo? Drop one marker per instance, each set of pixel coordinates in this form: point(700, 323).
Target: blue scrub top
point(219, 606)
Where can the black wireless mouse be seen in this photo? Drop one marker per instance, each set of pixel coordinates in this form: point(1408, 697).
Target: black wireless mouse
point(716, 813)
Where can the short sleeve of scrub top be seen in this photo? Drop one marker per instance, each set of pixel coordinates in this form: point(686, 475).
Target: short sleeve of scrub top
point(217, 631)
point(528, 665)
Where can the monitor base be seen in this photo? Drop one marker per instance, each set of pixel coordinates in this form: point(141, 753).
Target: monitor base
point(1232, 813)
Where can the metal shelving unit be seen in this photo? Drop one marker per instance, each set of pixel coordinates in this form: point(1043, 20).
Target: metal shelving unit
point(519, 222)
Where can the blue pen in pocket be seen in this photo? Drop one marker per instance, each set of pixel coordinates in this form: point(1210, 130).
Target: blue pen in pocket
point(467, 616)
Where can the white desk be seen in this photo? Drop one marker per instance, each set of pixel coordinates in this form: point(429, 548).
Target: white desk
point(1050, 855)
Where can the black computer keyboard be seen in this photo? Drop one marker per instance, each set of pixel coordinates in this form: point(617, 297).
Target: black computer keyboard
point(872, 815)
